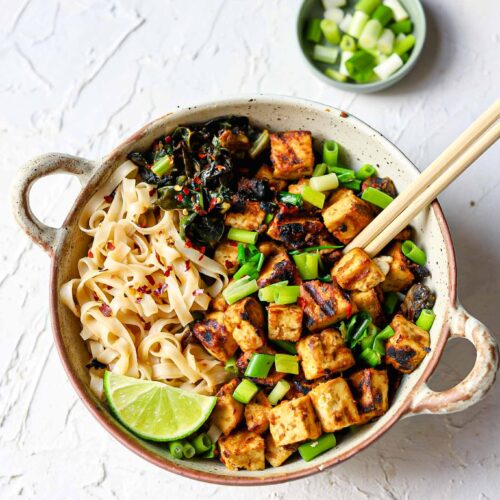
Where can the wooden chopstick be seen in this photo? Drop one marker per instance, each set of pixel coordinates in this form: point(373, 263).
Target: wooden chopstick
point(451, 163)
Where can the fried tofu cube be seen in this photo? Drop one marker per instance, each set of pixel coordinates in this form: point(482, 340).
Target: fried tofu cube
point(266, 172)
point(346, 215)
point(356, 271)
point(214, 336)
point(324, 353)
point(400, 276)
point(245, 321)
point(242, 450)
point(257, 414)
point(324, 304)
point(284, 322)
point(409, 345)
point(226, 254)
point(228, 412)
point(218, 303)
point(334, 404)
point(294, 421)
point(277, 267)
point(249, 216)
point(292, 154)
point(277, 455)
point(369, 302)
point(370, 388)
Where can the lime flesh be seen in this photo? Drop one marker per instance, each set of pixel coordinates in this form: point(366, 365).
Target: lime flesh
point(154, 410)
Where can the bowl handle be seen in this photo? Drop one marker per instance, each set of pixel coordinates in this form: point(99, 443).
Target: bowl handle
point(478, 381)
point(52, 163)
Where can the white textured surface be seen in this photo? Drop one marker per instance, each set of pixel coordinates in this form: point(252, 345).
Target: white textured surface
point(80, 75)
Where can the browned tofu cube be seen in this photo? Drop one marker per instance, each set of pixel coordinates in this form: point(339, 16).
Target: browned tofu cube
point(266, 172)
point(369, 302)
point(284, 322)
point(249, 216)
point(370, 388)
point(324, 304)
point(245, 321)
point(214, 336)
point(346, 215)
point(292, 154)
point(400, 276)
point(324, 353)
point(218, 303)
point(242, 450)
point(277, 455)
point(226, 254)
point(356, 271)
point(228, 412)
point(334, 405)
point(294, 421)
point(409, 345)
point(277, 267)
point(257, 414)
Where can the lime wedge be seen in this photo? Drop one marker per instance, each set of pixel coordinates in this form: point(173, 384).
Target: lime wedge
point(156, 411)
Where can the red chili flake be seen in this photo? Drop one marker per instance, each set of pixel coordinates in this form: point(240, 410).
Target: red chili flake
point(213, 203)
point(143, 289)
point(106, 310)
point(343, 114)
point(197, 180)
point(229, 264)
point(301, 302)
point(233, 243)
point(188, 244)
point(201, 257)
point(110, 245)
point(179, 197)
point(349, 310)
point(90, 254)
point(202, 156)
point(94, 295)
point(203, 249)
point(167, 271)
point(138, 300)
point(152, 192)
point(188, 265)
point(168, 139)
point(197, 292)
point(150, 279)
point(109, 198)
point(158, 258)
point(185, 190)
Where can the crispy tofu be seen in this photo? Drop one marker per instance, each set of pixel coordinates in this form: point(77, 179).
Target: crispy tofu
point(245, 321)
point(284, 322)
point(257, 414)
point(228, 412)
point(324, 304)
point(277, 267)
point(226, 254)
point(334, 405)
point(277, 455)
point(294, 421)
point(249, 215)
point(356, 271)
point(218, 303)
point(400, 276)
point(346, 215)
point(214, 337)
point(369, 302)
point(266, 172)
point(370, 388)
point(409, 345)
point(292, 154)
point(323, 354)
point(242, 450)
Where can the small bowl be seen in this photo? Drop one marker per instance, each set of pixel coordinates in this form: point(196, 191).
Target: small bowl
point(314, 8)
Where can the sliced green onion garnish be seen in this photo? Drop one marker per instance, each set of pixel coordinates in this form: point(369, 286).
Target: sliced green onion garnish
point(397, 9)
point(330, 31)
point(347, 177)
point(290, 198)
point(367, 6)
point(242, 235)
point(210, 453)
point(391, 301)
point(335, 75)
point(335, 169)
point(245, 391)
point(312, 449)
point(307, 265)
point(414, 253)
point(313, 30)
point(260, 144)
point(379, 341)
point(278, 392)
point(319, 169)
point(175, 449)
point(187, 449)
point(325, 54)
point(241, 253)
point(405, 27)
point(269, 218)
point(370, 357)
point(259, 365)
point(376, 197)
point(355, 185)
point(234, 293)
point(403, 46)
point(348, 44)
point(247, 269)
point(230, 366)
point(383, 14)
point(201, 443)
point(313, 197)
point(285, 345)
point(286, 363)
point(315, 249)
point(426, 319)
point(366, 171)
point(266, 294)
point(385, 43)
point(162, 166)
point(324, 182)
point(359, 19)
point(286, 294)
point(330, 152)
point(370, 35)
point(360, 64)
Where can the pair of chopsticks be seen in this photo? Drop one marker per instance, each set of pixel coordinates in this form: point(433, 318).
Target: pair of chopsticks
point(459, 155)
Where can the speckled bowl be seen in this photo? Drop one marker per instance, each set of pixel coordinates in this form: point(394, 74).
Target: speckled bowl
point(362, 144)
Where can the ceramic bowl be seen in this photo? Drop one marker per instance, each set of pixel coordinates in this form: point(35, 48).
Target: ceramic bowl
point(65, 245)
point(314, 8)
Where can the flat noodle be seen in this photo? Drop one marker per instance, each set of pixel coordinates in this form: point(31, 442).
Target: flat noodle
point(137, 289)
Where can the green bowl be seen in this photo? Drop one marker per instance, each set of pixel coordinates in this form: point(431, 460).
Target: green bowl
point(314, 8)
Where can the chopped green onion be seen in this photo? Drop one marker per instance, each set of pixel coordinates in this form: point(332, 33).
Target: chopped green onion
point(230, 366)
point(241, 253)
point(290, 198)
point(348, 44)
point(426, 319)
point(359, 19)
point(330, 152)
point(414, 253)
point(313, 30)
point(334, 14)
point(405, 57)
point(266, 294)
point(385, 43)
point(335, 75)
point(210, 453)
point(278, 392)
point(312, 449)
point(335, 169)
point(315, 249)
point(260, 262)
point(307, 265)
point(201, 443)
point(360, 65)
point(260, 144)
point(286, 363)
point(344, 57)
point(355, 185)
point(319, 169)
point(313, 197)
point(370, 357)
point(242, 235)
point(345, 23)
point(327, 4)
point(378, 343)
point(285, 345)
point(359, 331)
point(370, 34)
point(259, 365)
point(187, 449)
point(397, 9)
point(324, 182)
point(347, 177)
point(245, 391)
point(391, 301)
point(234, 293)
point(405, 27)
point(330, 31)
point(175, 449)
point(366, 171)
point(367, 6)
point(286, 294)
point(247, 269)
point(162, 166)
point(269, 218)
point(403, 46)
point(325, 54)
point(388, 67)
point(376, 197)
point(326, 278)
point(383, 14)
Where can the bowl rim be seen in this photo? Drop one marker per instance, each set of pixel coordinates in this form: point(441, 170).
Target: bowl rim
point(106, 419)
point(363, 88)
